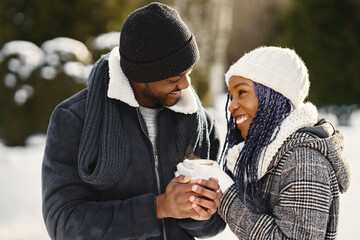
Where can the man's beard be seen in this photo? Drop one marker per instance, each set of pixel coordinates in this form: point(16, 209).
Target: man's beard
point(159, 101)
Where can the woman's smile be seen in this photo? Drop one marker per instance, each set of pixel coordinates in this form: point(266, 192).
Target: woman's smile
point(244, 102)
point(241, 119)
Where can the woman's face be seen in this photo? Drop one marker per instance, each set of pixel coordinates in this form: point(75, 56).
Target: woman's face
point(244, 102)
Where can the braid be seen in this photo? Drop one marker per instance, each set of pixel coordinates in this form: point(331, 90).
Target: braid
point(273, 108)
point(232, 138)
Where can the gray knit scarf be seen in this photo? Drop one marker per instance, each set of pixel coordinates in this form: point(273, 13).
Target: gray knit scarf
point(104, 153)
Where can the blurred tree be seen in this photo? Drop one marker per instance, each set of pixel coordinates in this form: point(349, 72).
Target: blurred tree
point(26, 107)
point(254, 25)
point(326, 34)
point(28, 91)
point(211, 23)
point(28, 97)
point(40, 20)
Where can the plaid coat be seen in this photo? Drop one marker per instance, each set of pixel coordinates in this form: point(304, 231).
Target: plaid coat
point(302, 183)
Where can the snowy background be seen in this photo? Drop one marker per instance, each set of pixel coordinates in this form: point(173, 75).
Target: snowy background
point(20, 181)
point(62, 58)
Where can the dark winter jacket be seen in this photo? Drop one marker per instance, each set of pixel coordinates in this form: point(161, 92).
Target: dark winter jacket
point(74, 209)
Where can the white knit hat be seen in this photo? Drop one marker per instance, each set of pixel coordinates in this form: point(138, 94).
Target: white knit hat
point(280, 69)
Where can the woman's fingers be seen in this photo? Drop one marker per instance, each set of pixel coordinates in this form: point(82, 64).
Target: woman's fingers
point(201, 213)
point(206, 204)
point(208, 189)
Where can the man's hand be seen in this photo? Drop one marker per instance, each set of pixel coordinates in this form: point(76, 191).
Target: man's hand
point(183, 199)
point(175, 201)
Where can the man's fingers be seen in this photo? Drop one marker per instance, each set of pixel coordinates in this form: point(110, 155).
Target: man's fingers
point(210, 184)
point(219, 193)
point(181, 179)
point(204, 192)
point(214, 179)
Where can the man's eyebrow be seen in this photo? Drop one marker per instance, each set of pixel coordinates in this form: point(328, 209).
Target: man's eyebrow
point(186, 71)
point(183, 73)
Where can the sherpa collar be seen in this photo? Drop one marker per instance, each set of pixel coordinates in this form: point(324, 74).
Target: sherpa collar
point(120, 88)
point(305, 115)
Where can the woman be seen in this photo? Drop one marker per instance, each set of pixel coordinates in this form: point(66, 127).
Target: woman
point(289, 171)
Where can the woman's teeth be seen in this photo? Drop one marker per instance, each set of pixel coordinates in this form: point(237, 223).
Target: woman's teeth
point(242, 119)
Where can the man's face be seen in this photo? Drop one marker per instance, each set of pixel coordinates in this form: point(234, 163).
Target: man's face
point(165, 92)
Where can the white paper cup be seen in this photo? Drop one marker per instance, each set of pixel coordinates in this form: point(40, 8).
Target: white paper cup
point(203, 161)
point(207, 162)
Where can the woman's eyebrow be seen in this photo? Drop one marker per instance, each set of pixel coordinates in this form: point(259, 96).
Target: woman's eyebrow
point(240, 84)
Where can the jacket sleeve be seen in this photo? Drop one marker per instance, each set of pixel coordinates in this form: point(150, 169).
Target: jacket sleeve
point(215, 224)
point(302, 209)
point(70, 206)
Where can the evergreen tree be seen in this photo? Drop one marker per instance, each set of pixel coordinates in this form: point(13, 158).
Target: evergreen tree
point(326, 34)
point(27, 100)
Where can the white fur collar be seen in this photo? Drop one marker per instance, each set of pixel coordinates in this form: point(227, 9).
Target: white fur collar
point(304, 116)
point(120, 88)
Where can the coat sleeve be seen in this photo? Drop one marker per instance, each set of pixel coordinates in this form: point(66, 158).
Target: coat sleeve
point(70, 206)
point(302, 209)
point(215, 224)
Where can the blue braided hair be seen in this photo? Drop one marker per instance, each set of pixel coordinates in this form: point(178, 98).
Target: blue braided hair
point(273, 108)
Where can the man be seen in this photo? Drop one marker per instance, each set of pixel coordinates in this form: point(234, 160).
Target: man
point(112, 149)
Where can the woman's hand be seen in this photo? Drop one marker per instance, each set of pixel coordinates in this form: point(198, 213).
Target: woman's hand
point(207, 197)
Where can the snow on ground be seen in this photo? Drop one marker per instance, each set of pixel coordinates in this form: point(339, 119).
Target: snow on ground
point(20, 191)
point(20, 186)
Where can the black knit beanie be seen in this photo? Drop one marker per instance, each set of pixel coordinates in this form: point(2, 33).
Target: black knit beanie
point(155, 44)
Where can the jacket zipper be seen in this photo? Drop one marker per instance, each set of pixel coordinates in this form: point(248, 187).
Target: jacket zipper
point(156, 165)
point(157, 173)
